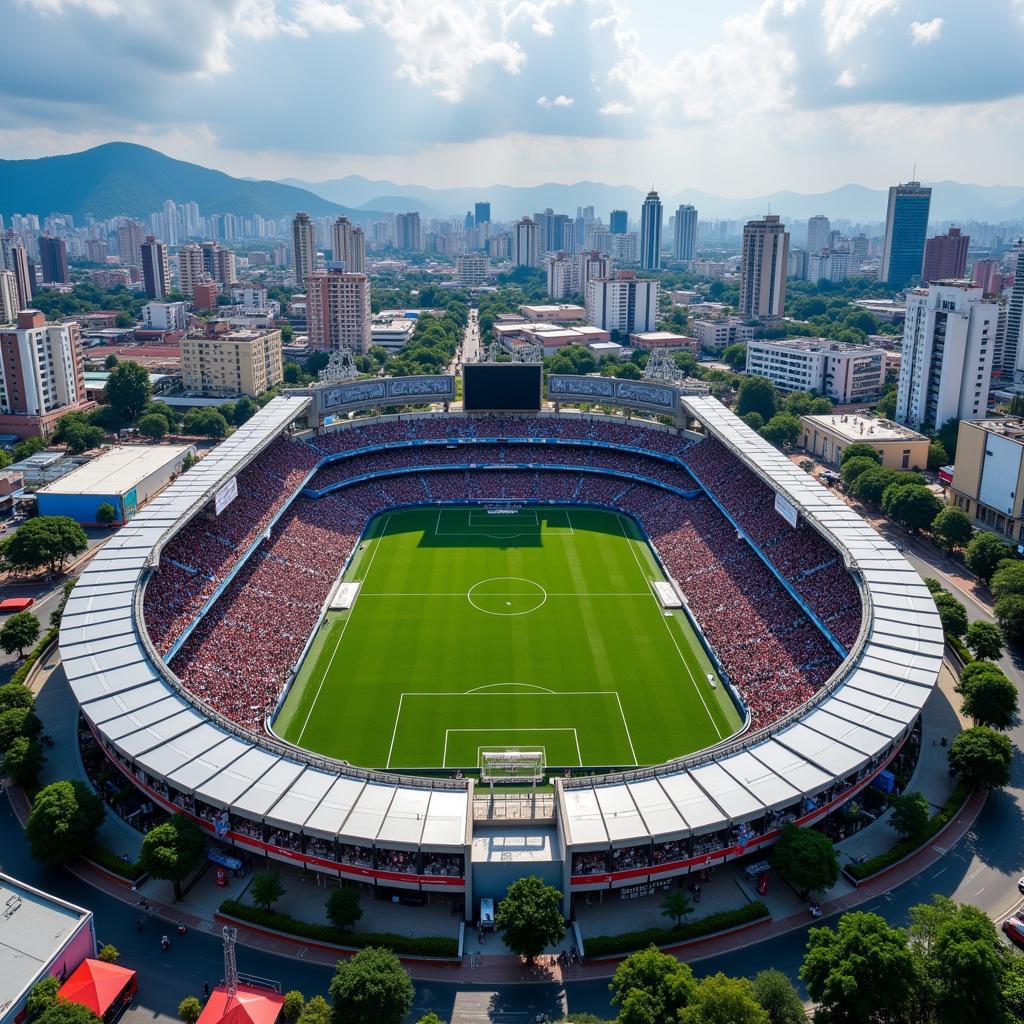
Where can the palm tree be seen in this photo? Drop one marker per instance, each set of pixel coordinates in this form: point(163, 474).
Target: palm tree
point(676, 904)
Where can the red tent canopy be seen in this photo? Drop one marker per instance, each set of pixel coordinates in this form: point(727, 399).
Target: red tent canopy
point(97, 985)
point(247, 1006)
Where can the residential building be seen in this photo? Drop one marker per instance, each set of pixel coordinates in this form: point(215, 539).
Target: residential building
point(96, 250)
point(987, 274)
point(590, 266)
point(618, 222)
point(796, 264)
point(625, 248)
point(845, 373)
point(623, 303)
point(338, 310)
point(165, 316)
point(226, 273)
point(156, 272)
point(249, 297)
point(42, 376)
point(204, 294)
point(481, 214)
point(244, 362)
point(129, 243)
point(818, 229)
point(684, 235)
point(763, 268)
point(190, 268)
point(988, 479)
point(303, 247)
point(829, 436)
point(946, 356)
point(348, 244)
point(473, 268)
point(650, 232)
point(1013, 351)
point(561, 275)
point(716, 335)
point(945, 256)
point(408, 232)
point(906, 225)
point(525, 252)
point(829, 265)
point(17, 263)
point(53, 257)
point(8, 297)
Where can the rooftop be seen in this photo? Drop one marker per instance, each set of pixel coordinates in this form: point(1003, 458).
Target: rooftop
point(117, 470)
point(1011, 427)
point(851, 427)
point(815, 345)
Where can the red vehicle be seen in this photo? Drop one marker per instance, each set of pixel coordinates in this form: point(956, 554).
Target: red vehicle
point(1014, 928)
point(16, 604)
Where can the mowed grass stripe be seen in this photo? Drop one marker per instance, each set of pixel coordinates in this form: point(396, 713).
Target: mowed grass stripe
point(414, 630)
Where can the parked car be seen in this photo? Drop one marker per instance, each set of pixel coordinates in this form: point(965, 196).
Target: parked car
point(1014, 929)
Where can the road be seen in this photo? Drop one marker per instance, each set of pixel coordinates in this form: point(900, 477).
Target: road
point(471, 339)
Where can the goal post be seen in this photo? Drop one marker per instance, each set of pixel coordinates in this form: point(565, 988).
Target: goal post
point(512, 764)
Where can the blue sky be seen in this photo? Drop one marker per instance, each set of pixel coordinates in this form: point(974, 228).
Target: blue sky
point(737, 99)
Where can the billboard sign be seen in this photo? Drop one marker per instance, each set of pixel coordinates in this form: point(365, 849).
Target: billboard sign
point(225, 496)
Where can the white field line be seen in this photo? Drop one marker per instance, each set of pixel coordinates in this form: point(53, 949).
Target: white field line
point(625, 725)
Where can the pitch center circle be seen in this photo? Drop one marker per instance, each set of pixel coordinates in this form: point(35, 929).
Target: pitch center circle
point(507, 595)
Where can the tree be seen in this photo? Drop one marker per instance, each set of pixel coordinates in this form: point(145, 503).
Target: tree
point(910, 815)
point(15, 695)
point(735, 356)
point(153, 425)
point(860, 450)
point(430, 1018)
point(953, 527)
point(756, 394)
point(204, 423)
point(21, 630)
point(781, 430)
point(267, 889)
point(667, 984)
point(44, 541)
point(952, 614)
point(984, 553)
point(27, 447)
point(947, 437)
point(23, 761)
point(128, 390)
point(754, 420)
point(292, 373)
point(42, 996)
point(638, 1007)
point(870, 485)
point(110, 362)
point(294, 1004)
point(371, 988)
point(853, 468)
point(861, 973)
point(109, 954)
point(77, 434)
point(912, 505)
point(990, 699)
point(172, 851)
point(530, 916)
point(937, 455)
point(775, 992)
point(63, 1011)
point(245, 409)
point(17, 722)
point(1010, 616)
point(984, 640)
point(807, 859)
point(723, 1000)
point(343, 909)
point(64, 821)
point(1008, 578)
point(106, 514)
point(676, 904)
point(316, 1011)
point(982, 757)
point(190, 1009)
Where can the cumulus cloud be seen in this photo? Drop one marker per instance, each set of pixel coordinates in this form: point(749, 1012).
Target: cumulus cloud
point(322, 16)
point(615, 108)
point(558, 101)
point(925, 31)
point(846, 79)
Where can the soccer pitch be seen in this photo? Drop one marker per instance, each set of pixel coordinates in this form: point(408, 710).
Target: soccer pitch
point(476, 631)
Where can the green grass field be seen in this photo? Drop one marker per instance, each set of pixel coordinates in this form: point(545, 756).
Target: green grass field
point(474, 632)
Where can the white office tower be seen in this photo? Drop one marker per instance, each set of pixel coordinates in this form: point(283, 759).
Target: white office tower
point(524, 243)
point(684, 240)
point(1012, 354)
point(561, 283)
point(763, 266)
point(946, 359)
point(589, 267)
point(817, 233)
point(624, 303)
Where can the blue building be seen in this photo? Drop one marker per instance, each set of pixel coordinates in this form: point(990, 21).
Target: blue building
point(650, 233)
point(618, 222)
point(906, 228)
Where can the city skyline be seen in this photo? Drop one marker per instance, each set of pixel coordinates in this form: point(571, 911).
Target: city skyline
point(815, 88)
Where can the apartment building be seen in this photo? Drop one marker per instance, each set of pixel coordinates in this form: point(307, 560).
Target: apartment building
point(623, 303)
point(247, 362)
point(338, 310)
point(716, 335)
point(988, 479)
point(845, 373)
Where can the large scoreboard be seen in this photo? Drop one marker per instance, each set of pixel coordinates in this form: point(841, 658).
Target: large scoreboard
point(501, 387)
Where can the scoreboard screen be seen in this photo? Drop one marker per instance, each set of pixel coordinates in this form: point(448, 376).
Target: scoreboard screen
point(501, 387)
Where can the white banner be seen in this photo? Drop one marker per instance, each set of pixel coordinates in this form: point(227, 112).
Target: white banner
point(225, 495)
point(786, 510)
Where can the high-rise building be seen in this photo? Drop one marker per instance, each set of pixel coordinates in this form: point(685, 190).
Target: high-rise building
point(618, 222)
point(945, 256)
point(650, 233)
point(237, 363)
point(986, 273)
point(191, 270)
point(303, 246)
point(763, 267)
point(17, 262)
point(226, 272)
point(1013, 351)
point(525, 252)
point(156, 273)
point(96, 250)
point(906, 226)
point(42, 377)
point(170, 222)
point(348, 244)
point(472, 268)
point(946, 357)
point(8, 297)
point(408, 232)
point(129, 243)
point(165, 316)
point(684, 240)
point(623, 303)
point(561, 283)
point(589, 267)
point(338, 310)
point(818, 228)
point(53, 255)
point(829, 265)
point(482, 214)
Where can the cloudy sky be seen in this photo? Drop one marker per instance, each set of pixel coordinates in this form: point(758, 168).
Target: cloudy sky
point(801, 94)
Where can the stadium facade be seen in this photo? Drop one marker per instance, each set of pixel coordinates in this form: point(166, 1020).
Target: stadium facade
point(253, 791)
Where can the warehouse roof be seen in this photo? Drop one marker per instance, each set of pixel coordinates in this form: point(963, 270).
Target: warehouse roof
point(117, 470)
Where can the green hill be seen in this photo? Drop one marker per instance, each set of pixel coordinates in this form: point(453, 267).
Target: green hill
point(121, 178)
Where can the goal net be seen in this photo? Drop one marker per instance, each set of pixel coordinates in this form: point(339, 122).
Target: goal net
point(512, 764)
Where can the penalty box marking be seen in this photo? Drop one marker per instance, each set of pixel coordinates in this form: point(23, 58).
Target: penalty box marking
point(567, 728)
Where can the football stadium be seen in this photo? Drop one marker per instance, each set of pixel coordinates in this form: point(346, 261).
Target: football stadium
point(339, 635)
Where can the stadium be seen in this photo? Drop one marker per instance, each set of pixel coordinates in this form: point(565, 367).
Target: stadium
point(333, 638)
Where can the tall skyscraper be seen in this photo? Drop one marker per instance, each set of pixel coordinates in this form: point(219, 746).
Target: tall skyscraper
point(482, 214)
point(408, 233)
point(818, 228)
point(53, 255)
point(8, 297)
point(560, 275)
point(906, 225)
point(129, 243)
point(226, 272)
point(945, 256)
point(618, 222)
point(171, 222)
point(684, 242)
point(303, 246)
point(1012, 351)
point(338, 310)
point(650, 232)
point(946, 357)
point(348, 243)
point(190, 268)
point(17, 261)
point(525, 251)
point(589, 267)
point(156, 273)
point(763, 269)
